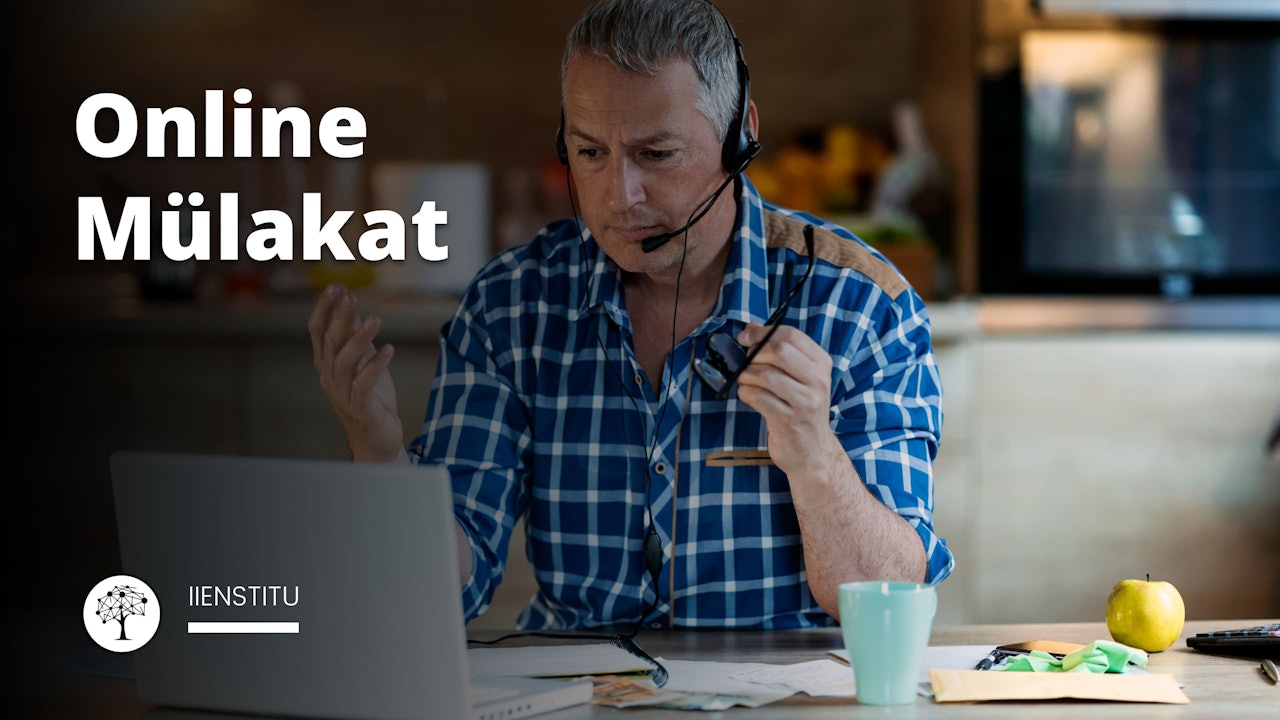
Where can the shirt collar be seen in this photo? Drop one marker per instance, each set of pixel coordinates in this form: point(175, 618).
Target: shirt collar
point(744, 294)
point(604, 287)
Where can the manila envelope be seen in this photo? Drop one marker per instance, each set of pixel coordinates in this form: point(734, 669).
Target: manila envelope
point(978, 685)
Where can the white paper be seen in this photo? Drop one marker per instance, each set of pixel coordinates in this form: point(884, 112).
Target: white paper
point(817, 678)
point(694, 677)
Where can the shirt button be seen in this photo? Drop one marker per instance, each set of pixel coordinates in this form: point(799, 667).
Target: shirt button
point(655, 625)
point(660, 468)
point(639, 380)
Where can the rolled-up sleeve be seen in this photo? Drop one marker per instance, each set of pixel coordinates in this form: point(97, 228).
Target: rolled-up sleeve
point(477, 427)
point(887, 412)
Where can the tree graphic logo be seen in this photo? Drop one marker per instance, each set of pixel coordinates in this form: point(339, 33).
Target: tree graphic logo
point(121, 613)
point(120, 603)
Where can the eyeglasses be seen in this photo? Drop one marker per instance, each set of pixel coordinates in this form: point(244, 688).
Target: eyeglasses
point(726, 358)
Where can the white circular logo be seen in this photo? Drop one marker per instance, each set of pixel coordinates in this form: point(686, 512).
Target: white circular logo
point(121, 613)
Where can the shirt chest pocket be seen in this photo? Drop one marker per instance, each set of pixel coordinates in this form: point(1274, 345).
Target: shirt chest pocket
point(738, 458)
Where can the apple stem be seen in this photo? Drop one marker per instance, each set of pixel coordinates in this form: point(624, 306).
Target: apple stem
point(1148, 577)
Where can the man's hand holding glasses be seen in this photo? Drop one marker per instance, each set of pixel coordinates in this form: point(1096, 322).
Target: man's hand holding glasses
point(727, 357)
point(783, 374)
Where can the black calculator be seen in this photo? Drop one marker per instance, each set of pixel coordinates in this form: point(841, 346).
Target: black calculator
point(1260, 641)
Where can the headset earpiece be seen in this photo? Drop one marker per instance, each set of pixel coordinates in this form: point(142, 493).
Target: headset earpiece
point(562, 148)
point(739, 146)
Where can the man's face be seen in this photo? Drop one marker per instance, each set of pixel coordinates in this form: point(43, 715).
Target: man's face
point(643, 158)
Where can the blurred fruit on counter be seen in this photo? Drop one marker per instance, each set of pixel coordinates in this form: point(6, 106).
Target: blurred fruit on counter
point(822, 171)
point(895, 200)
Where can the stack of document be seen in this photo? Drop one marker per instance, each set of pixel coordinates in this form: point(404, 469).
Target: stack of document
point(622, 679)
point(555, 661)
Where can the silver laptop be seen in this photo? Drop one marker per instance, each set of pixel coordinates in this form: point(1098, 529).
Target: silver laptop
point(305, 588)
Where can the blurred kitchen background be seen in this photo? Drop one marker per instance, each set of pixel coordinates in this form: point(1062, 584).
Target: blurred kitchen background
point(1086, 192)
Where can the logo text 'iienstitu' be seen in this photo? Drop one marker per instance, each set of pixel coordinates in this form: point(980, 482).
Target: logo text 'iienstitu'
point(242, 595)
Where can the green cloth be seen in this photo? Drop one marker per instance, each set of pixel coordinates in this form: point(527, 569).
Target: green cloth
point(1101, 656)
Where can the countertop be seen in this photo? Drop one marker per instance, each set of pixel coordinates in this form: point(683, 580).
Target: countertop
point(417, 319)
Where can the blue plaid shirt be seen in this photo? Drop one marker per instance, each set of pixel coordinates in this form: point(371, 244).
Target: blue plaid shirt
point(540, 409)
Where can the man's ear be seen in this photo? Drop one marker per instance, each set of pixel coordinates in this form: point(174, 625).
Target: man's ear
point(753, 120)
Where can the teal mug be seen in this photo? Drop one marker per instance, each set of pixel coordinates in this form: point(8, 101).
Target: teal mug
point(886, 627)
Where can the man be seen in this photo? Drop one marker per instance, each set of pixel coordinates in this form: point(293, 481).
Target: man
point(567, 391)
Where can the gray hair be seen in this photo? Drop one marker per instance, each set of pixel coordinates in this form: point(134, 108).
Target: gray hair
point(640, 35)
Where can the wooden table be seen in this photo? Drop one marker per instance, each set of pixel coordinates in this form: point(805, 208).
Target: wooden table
point(1219, 687)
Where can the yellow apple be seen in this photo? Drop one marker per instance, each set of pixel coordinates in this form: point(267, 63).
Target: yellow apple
point(1144, 614)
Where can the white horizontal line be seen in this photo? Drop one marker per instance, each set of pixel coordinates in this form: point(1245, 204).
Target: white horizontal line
point(236, 628)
